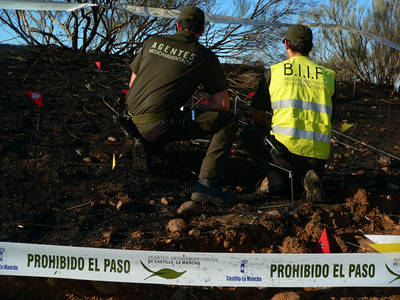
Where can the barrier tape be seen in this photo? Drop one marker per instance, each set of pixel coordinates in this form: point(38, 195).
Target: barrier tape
point(173, 14)
point(201, 269)
point(383, 239)
point(385, 243)
point(34, 5)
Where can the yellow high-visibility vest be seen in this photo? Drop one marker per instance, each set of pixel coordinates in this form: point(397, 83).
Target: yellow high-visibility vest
point(301, 93)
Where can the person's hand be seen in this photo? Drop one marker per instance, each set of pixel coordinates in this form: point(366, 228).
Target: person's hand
point(219, 101)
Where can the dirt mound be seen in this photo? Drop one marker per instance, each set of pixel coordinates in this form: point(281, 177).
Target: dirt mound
point(58, 185)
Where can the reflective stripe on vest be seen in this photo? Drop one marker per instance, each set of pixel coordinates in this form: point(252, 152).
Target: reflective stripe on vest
point(304, 134)
point(301, 92)
point(322, 108)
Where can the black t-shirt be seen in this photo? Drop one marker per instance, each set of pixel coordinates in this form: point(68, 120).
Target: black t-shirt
point(169, 68)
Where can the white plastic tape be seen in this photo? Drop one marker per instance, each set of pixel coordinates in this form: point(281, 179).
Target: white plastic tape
point(145, 11)
point(35, 5)
point(201, 269)
point(173, 14)
point(383, 239)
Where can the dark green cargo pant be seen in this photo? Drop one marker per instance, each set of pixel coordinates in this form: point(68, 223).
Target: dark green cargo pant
point(222, 125)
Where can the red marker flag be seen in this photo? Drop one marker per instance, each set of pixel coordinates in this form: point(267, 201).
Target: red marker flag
point(98, 64)
point(323, 243)
point(36, 97)
point(250, 95)
point(125, 92)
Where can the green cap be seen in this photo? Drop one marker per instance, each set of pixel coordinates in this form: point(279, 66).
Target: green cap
point(192, 13)
point(299, 33)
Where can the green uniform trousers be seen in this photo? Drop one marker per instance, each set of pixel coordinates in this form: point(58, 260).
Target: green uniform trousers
point(183, 126)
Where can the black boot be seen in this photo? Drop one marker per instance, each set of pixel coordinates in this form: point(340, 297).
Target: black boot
point(142, 157)
point(207, 190)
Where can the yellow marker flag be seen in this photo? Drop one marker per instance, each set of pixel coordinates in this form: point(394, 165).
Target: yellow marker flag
point(386, 248)
point(346, 126)
point(113, 162)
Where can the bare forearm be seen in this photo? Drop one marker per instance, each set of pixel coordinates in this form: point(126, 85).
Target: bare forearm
point(133, 77)
point(259, 118)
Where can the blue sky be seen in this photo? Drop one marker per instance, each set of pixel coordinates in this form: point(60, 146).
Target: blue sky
point(4, 35)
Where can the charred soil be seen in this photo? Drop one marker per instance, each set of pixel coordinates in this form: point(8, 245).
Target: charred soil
point(58, 187)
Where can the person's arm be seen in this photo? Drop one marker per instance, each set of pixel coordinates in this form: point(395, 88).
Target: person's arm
point(333, 99)
point(133, 77)
point(261, 100)
point(215, 84)
point(259, 118)
point(135, 65)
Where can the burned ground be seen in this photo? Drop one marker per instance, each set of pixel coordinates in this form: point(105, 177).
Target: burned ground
point(57, 185)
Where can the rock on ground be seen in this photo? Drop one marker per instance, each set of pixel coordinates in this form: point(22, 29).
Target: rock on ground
point(286, 296)
point(176, 225)
point(188, 208)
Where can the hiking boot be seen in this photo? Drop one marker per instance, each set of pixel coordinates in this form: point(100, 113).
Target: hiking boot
point(313, 187)
point(207, 190)
point(141, 156)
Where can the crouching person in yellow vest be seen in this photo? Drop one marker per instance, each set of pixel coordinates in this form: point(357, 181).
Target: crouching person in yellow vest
point(299, 93)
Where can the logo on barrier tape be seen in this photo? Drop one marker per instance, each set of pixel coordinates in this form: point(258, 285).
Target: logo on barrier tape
point(164, 273)
point(2, 251)
point(243, 264)
point(243, 277)
point(394, 269)
point(393, 273)
point(5, 266)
